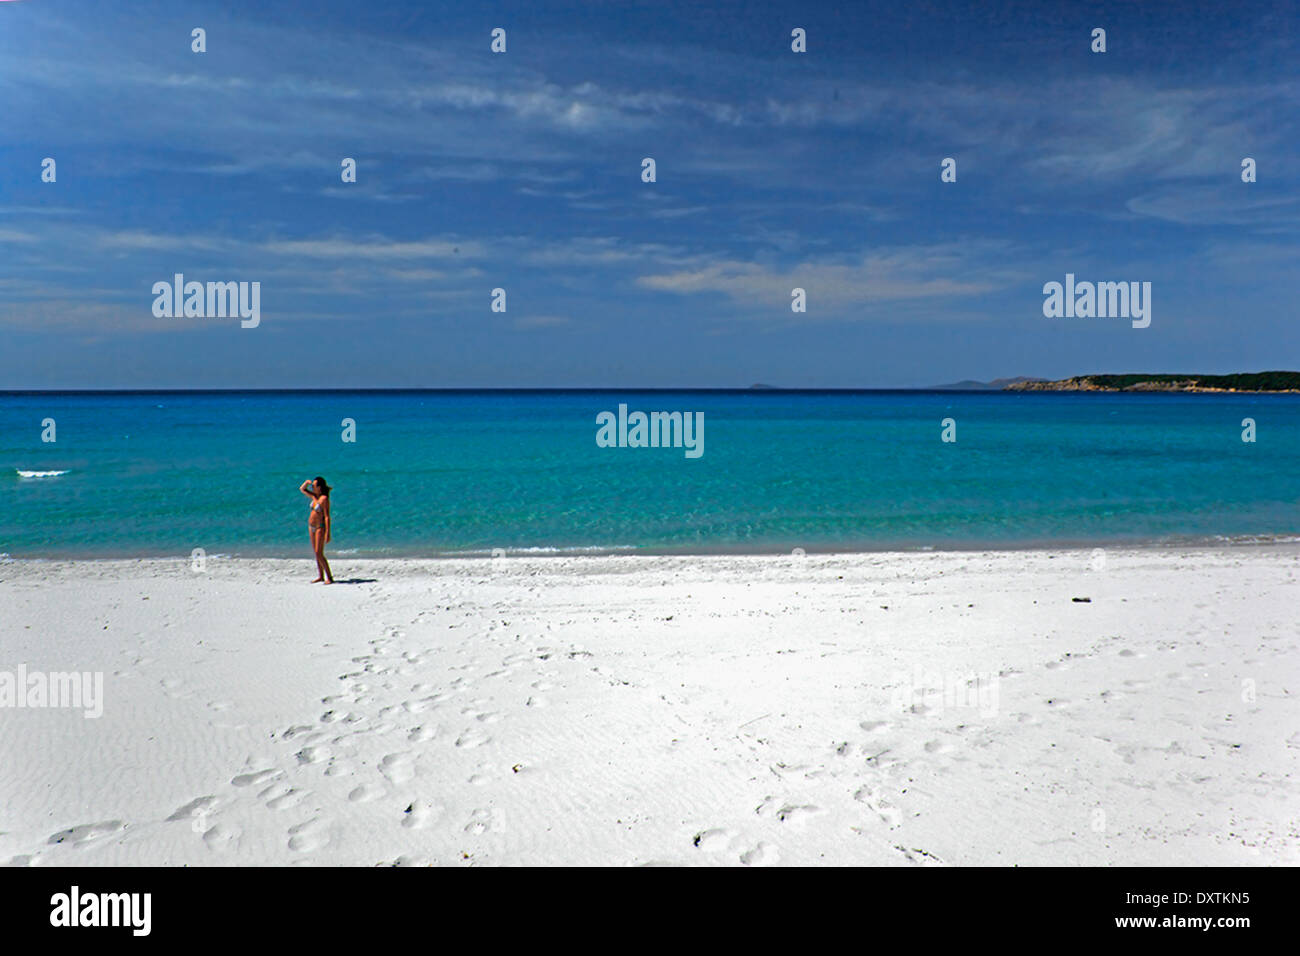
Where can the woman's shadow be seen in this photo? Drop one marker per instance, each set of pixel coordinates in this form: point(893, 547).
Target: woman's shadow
point(356, 580)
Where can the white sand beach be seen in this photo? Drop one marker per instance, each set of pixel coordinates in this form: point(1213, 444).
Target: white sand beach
point(885, 709)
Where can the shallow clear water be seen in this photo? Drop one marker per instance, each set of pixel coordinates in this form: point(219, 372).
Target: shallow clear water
point(445, 472)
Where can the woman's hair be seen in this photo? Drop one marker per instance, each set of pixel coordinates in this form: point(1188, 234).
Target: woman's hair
point(321, 481)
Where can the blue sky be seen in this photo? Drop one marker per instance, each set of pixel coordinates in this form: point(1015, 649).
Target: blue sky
point(522, 171)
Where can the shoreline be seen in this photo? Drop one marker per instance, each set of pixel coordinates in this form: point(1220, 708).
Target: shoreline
point(1279, 540)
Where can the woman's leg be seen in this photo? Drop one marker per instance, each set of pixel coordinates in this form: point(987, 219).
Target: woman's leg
point(317, 547)
point(322, 565)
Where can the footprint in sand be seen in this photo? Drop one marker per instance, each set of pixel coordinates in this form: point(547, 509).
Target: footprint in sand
point(175, 688)
point(366, 792)
point(87, 833)
point(339, 768)
point(882, 759)
point(765, 854)
point(919, 857)
point(422, 733)
point(877, 804)
point(308, 836)
point(398, 768)
point(420, 706)
point(798, 815)
point(313, 754)
point(282, 798)
point(482, 821)
point(199, 806)
point(220, 836)
point(422, 814)
point(715, 841)
point(874, 726)
point(471, 739)
point(787, 811)
point(255, 778)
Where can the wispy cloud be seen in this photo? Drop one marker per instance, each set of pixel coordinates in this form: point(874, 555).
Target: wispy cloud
point(934, 272)
point(1233, 203)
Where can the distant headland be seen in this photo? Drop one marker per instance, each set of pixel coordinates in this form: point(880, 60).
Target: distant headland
point(1240, 382)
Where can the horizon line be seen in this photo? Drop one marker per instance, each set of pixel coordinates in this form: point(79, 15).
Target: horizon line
point(981, 386)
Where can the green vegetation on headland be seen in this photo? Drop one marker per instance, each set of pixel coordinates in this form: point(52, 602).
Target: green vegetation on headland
point(1240, 382)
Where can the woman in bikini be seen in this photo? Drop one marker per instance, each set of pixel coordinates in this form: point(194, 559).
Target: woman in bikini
point(318, 524)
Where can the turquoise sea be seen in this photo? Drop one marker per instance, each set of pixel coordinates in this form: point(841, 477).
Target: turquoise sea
point(451, 472)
